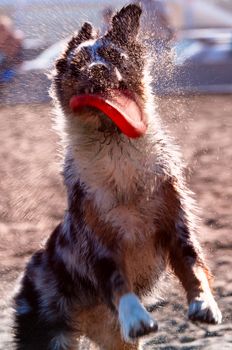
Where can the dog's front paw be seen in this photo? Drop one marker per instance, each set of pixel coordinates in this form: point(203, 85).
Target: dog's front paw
point(204, 309)
point(135, 321)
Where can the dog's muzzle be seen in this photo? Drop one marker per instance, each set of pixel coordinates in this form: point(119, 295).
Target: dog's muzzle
point(99, 71)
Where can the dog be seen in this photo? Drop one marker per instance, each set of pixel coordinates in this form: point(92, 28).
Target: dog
point(129, 213)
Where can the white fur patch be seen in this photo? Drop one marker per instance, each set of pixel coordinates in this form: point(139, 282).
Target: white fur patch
point(205, 309)
point(133, 316)
point(118, 74)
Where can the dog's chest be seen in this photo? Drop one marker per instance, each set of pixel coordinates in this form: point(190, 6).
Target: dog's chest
point(131, 209)
point(133, 221)
point(125, 194)
point(144, 264)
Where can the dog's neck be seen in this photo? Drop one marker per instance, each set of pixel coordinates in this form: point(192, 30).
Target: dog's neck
point(114, 166)
point(113, 173)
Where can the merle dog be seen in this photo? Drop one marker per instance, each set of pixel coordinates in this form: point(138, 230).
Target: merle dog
point(129, 216)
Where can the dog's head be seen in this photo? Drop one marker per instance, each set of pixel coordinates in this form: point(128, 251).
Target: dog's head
point(102, 65)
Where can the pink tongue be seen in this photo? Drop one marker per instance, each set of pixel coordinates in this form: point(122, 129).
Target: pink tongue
point(128, 108)
point(121, 109)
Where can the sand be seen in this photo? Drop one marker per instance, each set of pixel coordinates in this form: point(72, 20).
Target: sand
point(32, 202)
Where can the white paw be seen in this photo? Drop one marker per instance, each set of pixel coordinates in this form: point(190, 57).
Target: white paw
point(205, 309)
point(135, 321)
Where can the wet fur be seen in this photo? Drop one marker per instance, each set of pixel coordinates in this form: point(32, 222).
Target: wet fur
point(129, 216)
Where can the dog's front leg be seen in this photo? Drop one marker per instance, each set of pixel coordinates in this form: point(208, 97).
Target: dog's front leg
point(187, 260)
point(189, 266)
point(134, 320)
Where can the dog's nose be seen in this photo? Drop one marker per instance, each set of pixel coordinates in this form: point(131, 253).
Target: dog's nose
point(99, 71)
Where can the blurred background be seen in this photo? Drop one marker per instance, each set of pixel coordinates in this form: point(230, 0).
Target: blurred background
point(190, 44)
point(200, 39)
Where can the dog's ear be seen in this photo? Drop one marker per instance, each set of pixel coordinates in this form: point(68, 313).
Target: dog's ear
point(85, 33)
point(125, 24)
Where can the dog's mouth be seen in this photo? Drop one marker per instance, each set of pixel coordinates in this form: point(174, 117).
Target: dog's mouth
point(122, 107)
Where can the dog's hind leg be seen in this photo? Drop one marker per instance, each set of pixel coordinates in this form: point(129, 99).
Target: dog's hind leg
point(36, 332)
point(102, 328)
point(116, 343)
point(42, 319)
point(121, 345)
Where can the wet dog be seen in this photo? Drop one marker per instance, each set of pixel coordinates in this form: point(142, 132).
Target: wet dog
point(129, 216)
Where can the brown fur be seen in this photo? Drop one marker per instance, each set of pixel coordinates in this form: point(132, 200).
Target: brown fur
point(130, 215)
